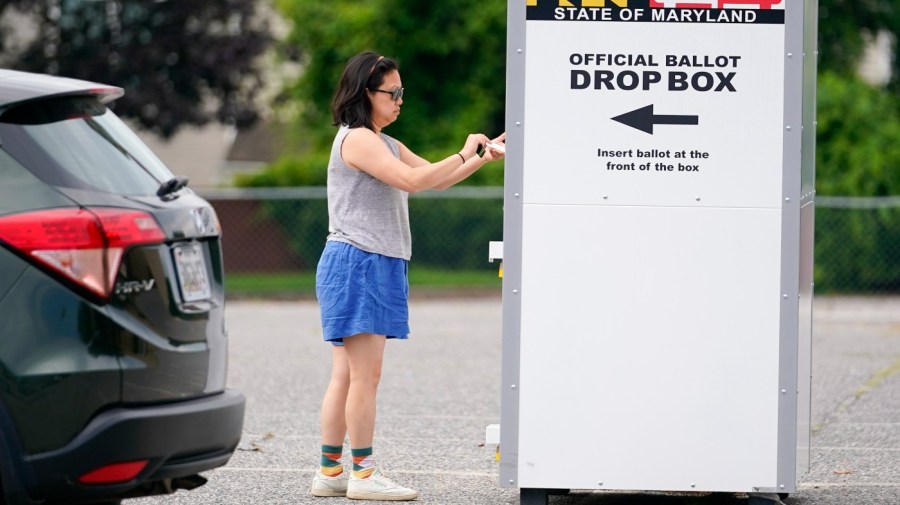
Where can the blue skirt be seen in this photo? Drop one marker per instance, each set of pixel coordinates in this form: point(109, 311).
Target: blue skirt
point(361, 292)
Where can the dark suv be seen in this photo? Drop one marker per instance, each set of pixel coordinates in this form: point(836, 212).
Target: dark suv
point(113, 346)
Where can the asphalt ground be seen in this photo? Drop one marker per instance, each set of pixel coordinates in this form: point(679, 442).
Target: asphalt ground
point(441, 389)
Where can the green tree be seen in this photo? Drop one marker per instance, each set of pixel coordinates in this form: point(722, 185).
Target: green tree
point(847, 26)
point(180, 62)
point(858, 131)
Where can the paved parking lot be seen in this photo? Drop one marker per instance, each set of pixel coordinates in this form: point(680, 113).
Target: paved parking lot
point(441, 388)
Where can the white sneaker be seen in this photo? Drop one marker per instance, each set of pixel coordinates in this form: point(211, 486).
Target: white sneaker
point(378, 487)
point(323, 485)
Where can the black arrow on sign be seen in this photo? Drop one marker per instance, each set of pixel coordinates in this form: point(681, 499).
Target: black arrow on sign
point(643, 119)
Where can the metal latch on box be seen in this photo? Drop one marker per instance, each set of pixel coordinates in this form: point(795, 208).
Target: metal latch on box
point(492, 437)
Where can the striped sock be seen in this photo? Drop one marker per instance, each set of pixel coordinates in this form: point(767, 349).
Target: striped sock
point(363, 462)
point(331, 460)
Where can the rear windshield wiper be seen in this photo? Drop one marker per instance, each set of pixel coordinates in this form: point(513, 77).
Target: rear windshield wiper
point(172, 185)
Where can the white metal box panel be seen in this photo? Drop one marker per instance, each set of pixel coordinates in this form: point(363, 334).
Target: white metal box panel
point(650, 337)
point(732, 157)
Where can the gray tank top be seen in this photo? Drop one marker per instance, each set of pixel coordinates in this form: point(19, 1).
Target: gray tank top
point(363, 211)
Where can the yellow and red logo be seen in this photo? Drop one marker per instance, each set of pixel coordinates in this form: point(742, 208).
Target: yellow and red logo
point(714, 4)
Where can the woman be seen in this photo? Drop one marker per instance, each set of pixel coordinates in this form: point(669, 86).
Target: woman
point(361, 279)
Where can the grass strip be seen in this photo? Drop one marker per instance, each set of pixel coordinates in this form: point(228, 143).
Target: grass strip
point(303, 284)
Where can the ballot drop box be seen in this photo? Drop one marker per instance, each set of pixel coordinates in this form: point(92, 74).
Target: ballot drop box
point(657, 248)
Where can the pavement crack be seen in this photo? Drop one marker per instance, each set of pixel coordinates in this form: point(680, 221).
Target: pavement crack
point(874, 382)
point(879, 378)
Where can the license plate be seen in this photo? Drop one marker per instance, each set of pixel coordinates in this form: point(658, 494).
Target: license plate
point(191, 268)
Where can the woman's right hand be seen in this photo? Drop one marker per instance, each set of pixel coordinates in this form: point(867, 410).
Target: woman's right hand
point(472, 142)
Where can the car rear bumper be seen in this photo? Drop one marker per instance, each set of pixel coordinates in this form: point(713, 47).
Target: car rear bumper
point(178, 440)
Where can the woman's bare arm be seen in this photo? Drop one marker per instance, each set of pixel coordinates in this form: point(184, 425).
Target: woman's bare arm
point(363, 149)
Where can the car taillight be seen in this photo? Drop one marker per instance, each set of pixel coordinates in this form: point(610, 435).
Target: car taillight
point(84, 245)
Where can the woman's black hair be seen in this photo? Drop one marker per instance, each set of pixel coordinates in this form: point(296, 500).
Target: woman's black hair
point(351, 105)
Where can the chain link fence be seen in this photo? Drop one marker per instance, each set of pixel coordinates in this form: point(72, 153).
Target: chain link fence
point(857, 245)
point(281, 231)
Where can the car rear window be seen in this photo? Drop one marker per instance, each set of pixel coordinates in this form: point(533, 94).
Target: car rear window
point(77, 142)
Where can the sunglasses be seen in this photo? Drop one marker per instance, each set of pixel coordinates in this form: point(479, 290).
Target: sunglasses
point(396, 93)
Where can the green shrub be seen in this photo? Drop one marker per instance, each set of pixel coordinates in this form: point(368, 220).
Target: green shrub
point(858, 138)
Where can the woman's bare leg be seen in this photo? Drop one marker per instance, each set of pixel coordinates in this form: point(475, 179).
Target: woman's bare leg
point(334, 417)
point(365, 355)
